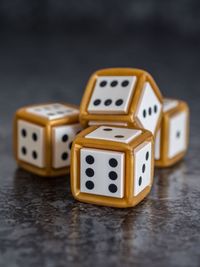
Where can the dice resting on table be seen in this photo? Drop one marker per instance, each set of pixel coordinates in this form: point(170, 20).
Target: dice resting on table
point(43, 136)
point(172, 138)
point(112, 166)
point(112, 161)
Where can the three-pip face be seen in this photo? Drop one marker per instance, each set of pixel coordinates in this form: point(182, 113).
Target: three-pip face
point(172, 139)
point(112, 166)
point(126, 97)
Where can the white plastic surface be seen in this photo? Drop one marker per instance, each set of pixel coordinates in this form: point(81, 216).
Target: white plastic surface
point(149, 108)
point(31, 143)
point(99, 182)
point(177, 134)
point(63, 136)
point(169, 104)
point(53, 111)
point(91, 123)
point(157, 145)
point(116, 134)
point(142, 170)
point(110, 99)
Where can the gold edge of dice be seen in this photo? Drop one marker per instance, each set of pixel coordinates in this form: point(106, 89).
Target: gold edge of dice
point(141, 75)
point(164, 161)
point(128, 200)
point(48, 170)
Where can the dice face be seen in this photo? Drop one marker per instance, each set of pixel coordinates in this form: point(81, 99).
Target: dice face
point(171, 141)
point(102, 172)
point(149, 108)
point(52, 111)
point(109, 172)
point(122, 97)
point(114, 134)
point(169, 104)
point(157, 144)
point(63, 137)
point(43, 135)
point(31, 143)
point(142, 170)
point(112, 94)
point(177, 134)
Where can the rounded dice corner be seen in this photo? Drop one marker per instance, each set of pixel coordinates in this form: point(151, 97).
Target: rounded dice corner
point(125, 202)
point(46, 151)
point(26, 114)
point(128, 199)
point(164, 161)
point(129, 115)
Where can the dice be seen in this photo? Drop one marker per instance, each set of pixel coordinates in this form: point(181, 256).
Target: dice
point(122, 97)
point(43, 136)
point(172, 138)
point(112, 165)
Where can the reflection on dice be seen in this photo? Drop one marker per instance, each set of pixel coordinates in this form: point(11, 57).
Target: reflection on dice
point(123, 97)
point(43, 136)
point(172, 138)
point(112, 166)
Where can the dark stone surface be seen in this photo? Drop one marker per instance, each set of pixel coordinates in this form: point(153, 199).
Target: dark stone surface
point(40, 222)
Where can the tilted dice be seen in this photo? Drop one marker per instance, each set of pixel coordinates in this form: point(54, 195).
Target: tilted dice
point(43, 136)
point(123, 97)
point(112, 166)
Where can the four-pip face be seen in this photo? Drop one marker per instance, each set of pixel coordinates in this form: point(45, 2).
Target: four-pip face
point(112, 166)
point(122, 96)
point(43, 137)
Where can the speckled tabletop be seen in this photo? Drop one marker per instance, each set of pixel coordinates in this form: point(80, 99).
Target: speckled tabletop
point(40, 222)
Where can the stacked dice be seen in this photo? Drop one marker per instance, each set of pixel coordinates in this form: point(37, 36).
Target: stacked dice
point(128, 128)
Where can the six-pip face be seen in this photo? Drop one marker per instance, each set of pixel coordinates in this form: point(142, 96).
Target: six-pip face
point(112, 166)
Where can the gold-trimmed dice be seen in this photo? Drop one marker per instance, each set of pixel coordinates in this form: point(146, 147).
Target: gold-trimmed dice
point(172, 138)
point(123, 97)
point(112, 165)
point(43, 135)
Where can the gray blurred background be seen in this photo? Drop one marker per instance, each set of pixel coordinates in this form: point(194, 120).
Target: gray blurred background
point(48, 50)
point(179, 16)
point(51, 47)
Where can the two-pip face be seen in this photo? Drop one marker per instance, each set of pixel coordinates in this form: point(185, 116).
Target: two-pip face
point(126, 97)
point(43, 136)
point(112, 166)
point(172, 138)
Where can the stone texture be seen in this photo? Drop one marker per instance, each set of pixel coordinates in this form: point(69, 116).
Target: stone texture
point(40, 223)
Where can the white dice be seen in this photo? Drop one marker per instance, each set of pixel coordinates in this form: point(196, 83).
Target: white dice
point(127, 97)
point(43, 136)
point(171, 141)
point(112, 166)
